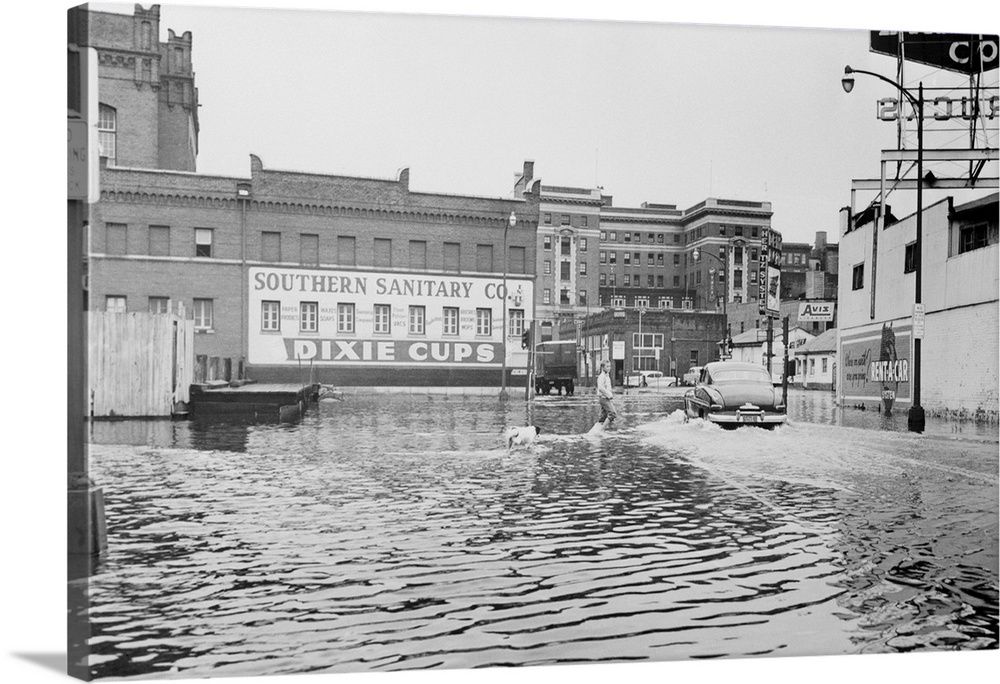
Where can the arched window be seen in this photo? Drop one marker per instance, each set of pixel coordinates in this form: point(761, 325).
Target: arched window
point(107, 127)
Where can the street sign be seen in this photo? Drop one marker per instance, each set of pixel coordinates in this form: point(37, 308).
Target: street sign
point(918, 321)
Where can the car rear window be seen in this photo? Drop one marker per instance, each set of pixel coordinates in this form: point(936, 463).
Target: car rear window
point(740, 376)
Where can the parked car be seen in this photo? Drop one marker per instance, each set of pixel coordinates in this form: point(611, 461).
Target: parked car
point(649, 378)
point(691, 377)
point(732, 393)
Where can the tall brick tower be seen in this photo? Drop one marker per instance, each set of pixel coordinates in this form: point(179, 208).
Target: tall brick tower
point(148, 100)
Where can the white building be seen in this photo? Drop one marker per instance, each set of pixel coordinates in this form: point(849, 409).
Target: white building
point(959, 290)
point(816, 361)
point(751, 347)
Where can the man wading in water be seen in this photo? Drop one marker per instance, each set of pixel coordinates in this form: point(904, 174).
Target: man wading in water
point(605, 397)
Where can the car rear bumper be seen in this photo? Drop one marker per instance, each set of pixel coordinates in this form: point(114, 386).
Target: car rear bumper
point(746, 418)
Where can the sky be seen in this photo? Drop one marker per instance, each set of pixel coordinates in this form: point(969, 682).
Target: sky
point(651, 111)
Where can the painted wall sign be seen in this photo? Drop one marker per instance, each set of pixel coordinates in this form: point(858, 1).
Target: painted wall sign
point(875, 363)
point(341, 317)
point(961, 52)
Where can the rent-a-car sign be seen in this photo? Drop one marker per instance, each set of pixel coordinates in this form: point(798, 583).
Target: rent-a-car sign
point(961, 52)
point(816, 311)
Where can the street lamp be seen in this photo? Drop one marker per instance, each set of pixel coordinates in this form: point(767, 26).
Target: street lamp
point(915, 418)
point(725, 281)
point(511, 222)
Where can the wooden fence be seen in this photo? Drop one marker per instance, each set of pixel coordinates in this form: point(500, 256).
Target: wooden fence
point(140, 364)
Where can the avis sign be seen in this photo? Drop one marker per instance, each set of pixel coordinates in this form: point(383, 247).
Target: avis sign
point(815, 311)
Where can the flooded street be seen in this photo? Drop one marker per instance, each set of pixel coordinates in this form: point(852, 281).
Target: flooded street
point(394, 532)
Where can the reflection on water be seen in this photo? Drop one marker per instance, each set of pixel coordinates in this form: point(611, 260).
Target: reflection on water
point(393, 532)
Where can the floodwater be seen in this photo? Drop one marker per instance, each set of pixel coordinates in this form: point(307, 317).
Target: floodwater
point(394, 532)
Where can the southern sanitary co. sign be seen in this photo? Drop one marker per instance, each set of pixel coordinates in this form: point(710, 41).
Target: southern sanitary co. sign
point(961, 52)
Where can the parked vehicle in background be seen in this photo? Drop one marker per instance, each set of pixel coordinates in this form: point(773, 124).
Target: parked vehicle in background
point(555, 366)
point(691, 377)
point(650, 378)
point(732, 393)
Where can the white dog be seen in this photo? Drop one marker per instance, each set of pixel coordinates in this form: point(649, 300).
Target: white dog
point(524, 436)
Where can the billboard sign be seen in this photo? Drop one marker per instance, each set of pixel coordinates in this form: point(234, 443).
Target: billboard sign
point(367, 318)
point(769, 274)
point(876, 364)
point(960, 52)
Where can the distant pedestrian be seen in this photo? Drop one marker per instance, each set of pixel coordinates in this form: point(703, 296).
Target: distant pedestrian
point(605, 396)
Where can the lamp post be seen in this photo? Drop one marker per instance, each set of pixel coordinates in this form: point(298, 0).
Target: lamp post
point(511, 222)
point(725, 281)
point(915, 418)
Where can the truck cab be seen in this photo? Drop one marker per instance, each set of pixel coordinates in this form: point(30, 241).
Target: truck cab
point(555, 367)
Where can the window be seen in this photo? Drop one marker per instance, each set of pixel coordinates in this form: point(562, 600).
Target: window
point(677, 281)
point(612, 257)
point(417, 320)
point(449, 324)
point(582, 298)
point(564, 297)
point(583, 268)
point(602, 257)
point(203, 242)
point(910, 258)
point(738, 230)
point(722, 230)
point(515, 322)
point(345, 318)
point(547, 241)
point(546, 296)
point(547, 267)
point(564, 245)
point(638, 237)
point(309, 317)
point(159, 305)
point(346, 251)
point(677, 259)
point(159, 241)
point(518, 260)
point(309, 249)
point(649, 281)
point(659, 281)
point(627, 281)
point(270, 246)
point(677, 238)
point(602, 278)
point(107, 133)
point(383, 318)
point(270, 316)
point(614, 236)
point(972, 237)
point(650, 260)
point(583, 240)
point(753, 232)
point(116, 238)
point(204, 314)
point(659, 238)
point(452, 256)
point(484, 322)
point(604, 236)
point(583, 222)
point(617, 301)
point(115, 303)
point(659, 260)
point(642, 302)
point(383, 253)
point(564, 219)
point(548, 222)
point(627, 257)
point(858, 277)
point(484, 258)
point(738, 278)
point(564, 270)
point(824, 362)
point(628, 237)
point(666, 302)
point(418, 254)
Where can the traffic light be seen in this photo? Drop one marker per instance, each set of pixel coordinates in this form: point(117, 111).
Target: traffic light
point(729, 346)
point(526, 339)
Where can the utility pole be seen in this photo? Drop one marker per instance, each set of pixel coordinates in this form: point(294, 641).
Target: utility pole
point(784, 374)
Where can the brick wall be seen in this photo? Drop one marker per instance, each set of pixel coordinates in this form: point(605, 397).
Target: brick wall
point(959, 363)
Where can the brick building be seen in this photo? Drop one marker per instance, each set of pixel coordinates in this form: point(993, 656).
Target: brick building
point(357, 280)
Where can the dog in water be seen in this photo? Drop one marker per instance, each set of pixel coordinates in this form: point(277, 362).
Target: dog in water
point(523, 436)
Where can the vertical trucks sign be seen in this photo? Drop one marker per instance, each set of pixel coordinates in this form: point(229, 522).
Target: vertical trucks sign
point(769, 274)
point(365, 318)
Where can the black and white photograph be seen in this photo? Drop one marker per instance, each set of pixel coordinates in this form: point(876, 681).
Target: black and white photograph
point(428, 342)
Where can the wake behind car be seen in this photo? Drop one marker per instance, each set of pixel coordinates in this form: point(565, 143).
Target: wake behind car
point(732, 393)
